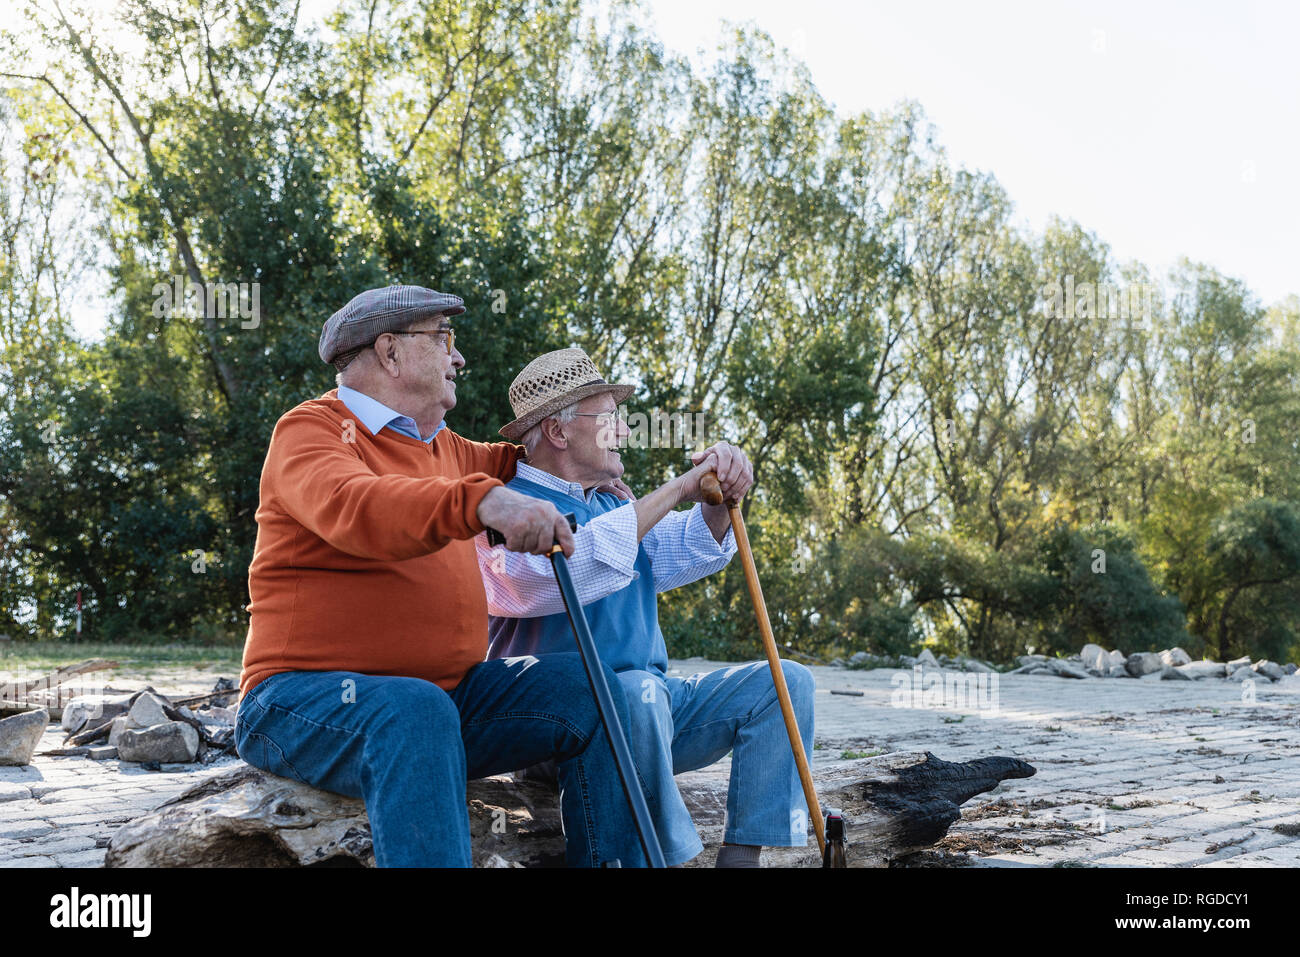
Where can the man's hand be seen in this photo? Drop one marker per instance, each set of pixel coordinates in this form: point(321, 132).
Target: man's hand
point(529, 524)
point(735, 473)
point(617, 487)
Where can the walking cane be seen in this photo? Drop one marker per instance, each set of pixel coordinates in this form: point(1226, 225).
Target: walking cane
point(712, 491)
point(604, 700)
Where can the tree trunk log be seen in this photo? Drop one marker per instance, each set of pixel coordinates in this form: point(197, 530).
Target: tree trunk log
point(893, 805)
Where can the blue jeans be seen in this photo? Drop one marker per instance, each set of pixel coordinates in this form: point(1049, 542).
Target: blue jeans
point(406, 747)
point(683, 724)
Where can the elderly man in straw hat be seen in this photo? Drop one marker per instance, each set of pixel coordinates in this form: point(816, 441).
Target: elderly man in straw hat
point(364, 668)
point(625, 552)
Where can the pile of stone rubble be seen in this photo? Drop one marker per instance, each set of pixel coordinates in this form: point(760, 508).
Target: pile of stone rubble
point(142, 727)
point(1171, 664)
point(1092, 661)
point(926, 659)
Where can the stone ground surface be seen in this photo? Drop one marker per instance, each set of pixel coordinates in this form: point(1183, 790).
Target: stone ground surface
point(1131, 773)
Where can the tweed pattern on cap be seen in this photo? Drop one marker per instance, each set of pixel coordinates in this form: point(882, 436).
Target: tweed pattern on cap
point(370, 314)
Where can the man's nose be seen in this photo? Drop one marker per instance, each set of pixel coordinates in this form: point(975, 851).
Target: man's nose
point(457, 359)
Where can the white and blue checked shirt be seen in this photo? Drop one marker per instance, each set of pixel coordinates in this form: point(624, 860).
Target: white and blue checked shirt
point(681, 547)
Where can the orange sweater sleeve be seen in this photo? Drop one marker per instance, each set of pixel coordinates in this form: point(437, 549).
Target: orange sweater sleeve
point(493, 458)
point(322, 482)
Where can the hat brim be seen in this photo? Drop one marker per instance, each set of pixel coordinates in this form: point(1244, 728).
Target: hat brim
point(515, 430)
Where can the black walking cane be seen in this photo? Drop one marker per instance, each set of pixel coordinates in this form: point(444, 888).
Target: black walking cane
point(604, 701)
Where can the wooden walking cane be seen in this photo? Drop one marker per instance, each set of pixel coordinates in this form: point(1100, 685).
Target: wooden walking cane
point(712, 491)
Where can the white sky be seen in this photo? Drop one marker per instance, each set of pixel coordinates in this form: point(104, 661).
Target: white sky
point(1169, 129)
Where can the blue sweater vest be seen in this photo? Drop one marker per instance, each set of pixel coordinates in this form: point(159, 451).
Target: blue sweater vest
point(625, 625)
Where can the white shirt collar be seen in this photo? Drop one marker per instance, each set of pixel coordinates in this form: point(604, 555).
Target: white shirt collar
point(547, 480)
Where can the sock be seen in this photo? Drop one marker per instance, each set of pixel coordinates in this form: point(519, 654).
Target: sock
point(738, 855)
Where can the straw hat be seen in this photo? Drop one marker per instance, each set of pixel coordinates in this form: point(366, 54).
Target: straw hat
point(552, 382)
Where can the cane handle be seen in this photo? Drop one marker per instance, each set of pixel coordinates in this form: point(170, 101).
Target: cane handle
point(710, 488)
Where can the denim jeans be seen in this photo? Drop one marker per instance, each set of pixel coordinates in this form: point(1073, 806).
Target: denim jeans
point(406, 747)
point(683, 724)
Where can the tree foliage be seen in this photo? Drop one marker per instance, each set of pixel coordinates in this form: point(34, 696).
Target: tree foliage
point(949, 416)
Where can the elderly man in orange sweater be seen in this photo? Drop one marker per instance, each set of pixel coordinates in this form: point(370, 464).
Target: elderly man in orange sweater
point(364, 670)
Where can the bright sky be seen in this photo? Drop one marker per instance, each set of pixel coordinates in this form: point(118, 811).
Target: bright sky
point(1169, 129)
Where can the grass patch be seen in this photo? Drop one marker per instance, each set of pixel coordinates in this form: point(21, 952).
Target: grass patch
point(48, 655)
point(854, 755)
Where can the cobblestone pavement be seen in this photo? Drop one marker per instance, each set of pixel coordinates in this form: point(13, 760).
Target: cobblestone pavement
point(1142, 773)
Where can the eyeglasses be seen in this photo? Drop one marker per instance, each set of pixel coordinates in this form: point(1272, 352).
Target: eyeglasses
point(449, 332)
point(610, 418)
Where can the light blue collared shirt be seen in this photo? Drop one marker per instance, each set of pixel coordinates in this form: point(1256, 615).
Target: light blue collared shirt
point(374, 415)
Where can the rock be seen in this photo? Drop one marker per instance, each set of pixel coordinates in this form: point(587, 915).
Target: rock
point(1270, 668)
point(1242, 673)
point(906, 661)
point(148, 711)
point(1115, 665)
point(1174, 657)
point(218, 716)
point(120, 724)
point(970, 664)
point(1143, 663)
point(19, 736)
point(1291, 668)
point(171, 741)
point(837, 663)
point(93, 708)
point(926, 657)
point(1236, 663)
point(1094, 657)
point(1026, 660)
point(1202, 669)
point(894, 804)
point(1066, 668)
point(1175, 674)
point(1034, 668)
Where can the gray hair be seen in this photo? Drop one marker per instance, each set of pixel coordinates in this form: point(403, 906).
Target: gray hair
point(533, 437)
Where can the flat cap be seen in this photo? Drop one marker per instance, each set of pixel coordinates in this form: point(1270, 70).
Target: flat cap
point(372, 313)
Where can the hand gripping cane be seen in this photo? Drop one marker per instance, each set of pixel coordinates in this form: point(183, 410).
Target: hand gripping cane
point(604, 701)
point(831, 856)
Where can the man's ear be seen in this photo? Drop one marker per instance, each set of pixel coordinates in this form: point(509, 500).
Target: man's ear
point(386, 351)
point(553, 432)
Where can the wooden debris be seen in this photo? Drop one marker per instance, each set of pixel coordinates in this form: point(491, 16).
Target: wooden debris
point(207, 696)
point(21, 689)
point(894, 804)
point(44, 692)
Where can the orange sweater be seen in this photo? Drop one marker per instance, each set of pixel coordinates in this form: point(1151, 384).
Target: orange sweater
point(365, 557)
